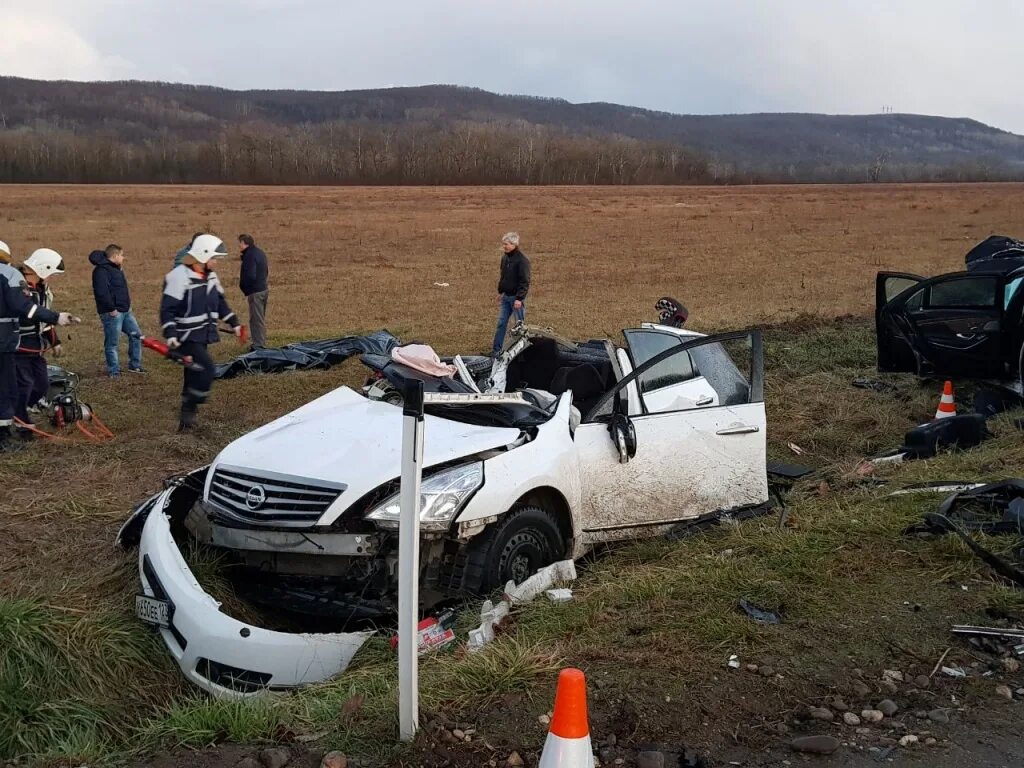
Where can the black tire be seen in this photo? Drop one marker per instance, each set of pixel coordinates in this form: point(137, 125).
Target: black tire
point(514, 548)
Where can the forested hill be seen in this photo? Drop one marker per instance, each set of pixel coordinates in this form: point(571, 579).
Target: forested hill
point(439, 134)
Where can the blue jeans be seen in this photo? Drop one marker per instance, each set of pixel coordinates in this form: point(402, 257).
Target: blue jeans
point(506, 310)
point(113, 327)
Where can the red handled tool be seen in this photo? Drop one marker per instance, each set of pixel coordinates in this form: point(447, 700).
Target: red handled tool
point(171, 354)
point(243, 337)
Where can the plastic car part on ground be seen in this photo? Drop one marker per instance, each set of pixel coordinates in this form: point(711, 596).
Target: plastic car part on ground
point(223, 656)
point(304, 355)
point(492, 615)
point(993, 509)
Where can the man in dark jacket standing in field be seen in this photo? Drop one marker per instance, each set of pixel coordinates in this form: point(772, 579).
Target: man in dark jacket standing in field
point(114, 305)
point(513, 285)
point(253, 282)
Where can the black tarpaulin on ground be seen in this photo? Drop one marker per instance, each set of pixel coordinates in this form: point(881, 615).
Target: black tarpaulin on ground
point(306, 355)
point(997, 253)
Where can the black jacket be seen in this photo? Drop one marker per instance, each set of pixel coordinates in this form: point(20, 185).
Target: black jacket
point(515, 275)
point(35, 334)
point(192, 304)
point(16, 304)
point(253, 278)
point(109, 285)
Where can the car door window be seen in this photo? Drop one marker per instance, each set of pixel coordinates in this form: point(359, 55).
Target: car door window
point(724, 376)
point(1010, 291)
point(979, 292)
point(646, 345)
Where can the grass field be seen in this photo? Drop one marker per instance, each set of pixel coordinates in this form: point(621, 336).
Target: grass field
point(81, 680)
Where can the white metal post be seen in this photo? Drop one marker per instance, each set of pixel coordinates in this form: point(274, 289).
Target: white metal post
point(409, 562)
point(409, 540)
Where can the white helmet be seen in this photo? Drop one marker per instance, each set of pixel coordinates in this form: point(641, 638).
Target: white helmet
point(5, 252)
point(206, 247)
point(45, 262)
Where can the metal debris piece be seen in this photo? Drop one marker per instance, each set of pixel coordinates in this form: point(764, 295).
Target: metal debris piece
point(758, 614)
point(559, 595)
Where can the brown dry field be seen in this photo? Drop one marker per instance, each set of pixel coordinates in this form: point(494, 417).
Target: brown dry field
point(352, 260)
point(348, 260)
point(355, 258)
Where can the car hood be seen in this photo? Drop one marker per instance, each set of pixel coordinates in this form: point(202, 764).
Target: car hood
point(343, 437)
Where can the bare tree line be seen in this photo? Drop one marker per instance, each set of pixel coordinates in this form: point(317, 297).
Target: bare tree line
point(429, 153)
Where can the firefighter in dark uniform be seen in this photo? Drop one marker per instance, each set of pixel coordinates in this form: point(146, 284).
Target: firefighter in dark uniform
point(35, 336)
point(191, 306)
point(16, 305)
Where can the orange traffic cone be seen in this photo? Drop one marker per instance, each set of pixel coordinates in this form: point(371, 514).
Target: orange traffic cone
point(568, 743)
point(947, 407)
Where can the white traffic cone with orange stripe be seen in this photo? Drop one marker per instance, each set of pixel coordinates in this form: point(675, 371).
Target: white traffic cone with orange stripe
point(568, 744)
point(947, 406)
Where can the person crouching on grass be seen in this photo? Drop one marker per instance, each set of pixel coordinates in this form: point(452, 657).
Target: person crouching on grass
point(192, 304)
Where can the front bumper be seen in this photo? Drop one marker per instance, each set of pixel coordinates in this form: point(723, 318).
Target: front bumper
point(221, 655)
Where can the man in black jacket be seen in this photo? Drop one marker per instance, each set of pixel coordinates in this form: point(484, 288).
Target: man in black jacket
point(253, 282)
point(513, 285)
point(114, 305)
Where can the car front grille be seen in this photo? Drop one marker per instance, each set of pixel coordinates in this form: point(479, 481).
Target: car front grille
point(233, 678)
point(271, 499)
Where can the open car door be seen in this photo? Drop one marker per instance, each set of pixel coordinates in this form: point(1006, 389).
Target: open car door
point(951, 325)
point(685, 461)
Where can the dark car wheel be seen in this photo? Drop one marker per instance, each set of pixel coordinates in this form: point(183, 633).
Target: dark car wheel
point(513, 549)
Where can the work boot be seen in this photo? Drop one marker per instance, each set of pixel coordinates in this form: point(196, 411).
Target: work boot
point(8, 442)
point(187, 422)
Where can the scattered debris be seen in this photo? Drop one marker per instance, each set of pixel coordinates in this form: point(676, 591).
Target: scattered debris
point(965, 629)
point(322, 353)
point(443, 285)
point(734, 662)
point(758, 614)
point(938, 486)
point(953, 672)
point(995, 508)
point(559, 595)
point(892, 674)
point(963, 431)
point(492, 615)
point(796, 449)
point(433, 632)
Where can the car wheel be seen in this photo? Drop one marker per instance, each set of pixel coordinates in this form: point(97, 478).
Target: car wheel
point(513, 549)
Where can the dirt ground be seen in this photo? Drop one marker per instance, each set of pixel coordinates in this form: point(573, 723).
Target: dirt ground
point(351, 260)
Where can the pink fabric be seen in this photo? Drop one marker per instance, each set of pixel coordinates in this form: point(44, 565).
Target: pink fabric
point(422, 358)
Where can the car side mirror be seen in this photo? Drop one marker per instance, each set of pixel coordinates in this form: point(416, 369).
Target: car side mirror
point(624, 436)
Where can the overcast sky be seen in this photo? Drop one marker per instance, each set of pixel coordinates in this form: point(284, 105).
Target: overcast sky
point(942, 57)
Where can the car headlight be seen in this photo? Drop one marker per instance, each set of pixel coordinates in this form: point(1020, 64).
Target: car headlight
point(442, 496)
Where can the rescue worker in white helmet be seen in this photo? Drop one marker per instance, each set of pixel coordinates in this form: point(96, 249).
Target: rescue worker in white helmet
point(17, 304)
point(35, 336)
point(192, 304)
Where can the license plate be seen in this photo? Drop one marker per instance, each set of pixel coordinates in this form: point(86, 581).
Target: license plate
point(153, 611)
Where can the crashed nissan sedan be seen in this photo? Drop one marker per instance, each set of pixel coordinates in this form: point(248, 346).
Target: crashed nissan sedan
point(607, 442)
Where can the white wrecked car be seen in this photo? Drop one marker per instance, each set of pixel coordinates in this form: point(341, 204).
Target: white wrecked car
point(609, 443)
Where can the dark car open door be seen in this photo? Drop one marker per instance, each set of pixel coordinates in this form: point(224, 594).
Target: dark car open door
point(895, 349)
point(951, 325)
